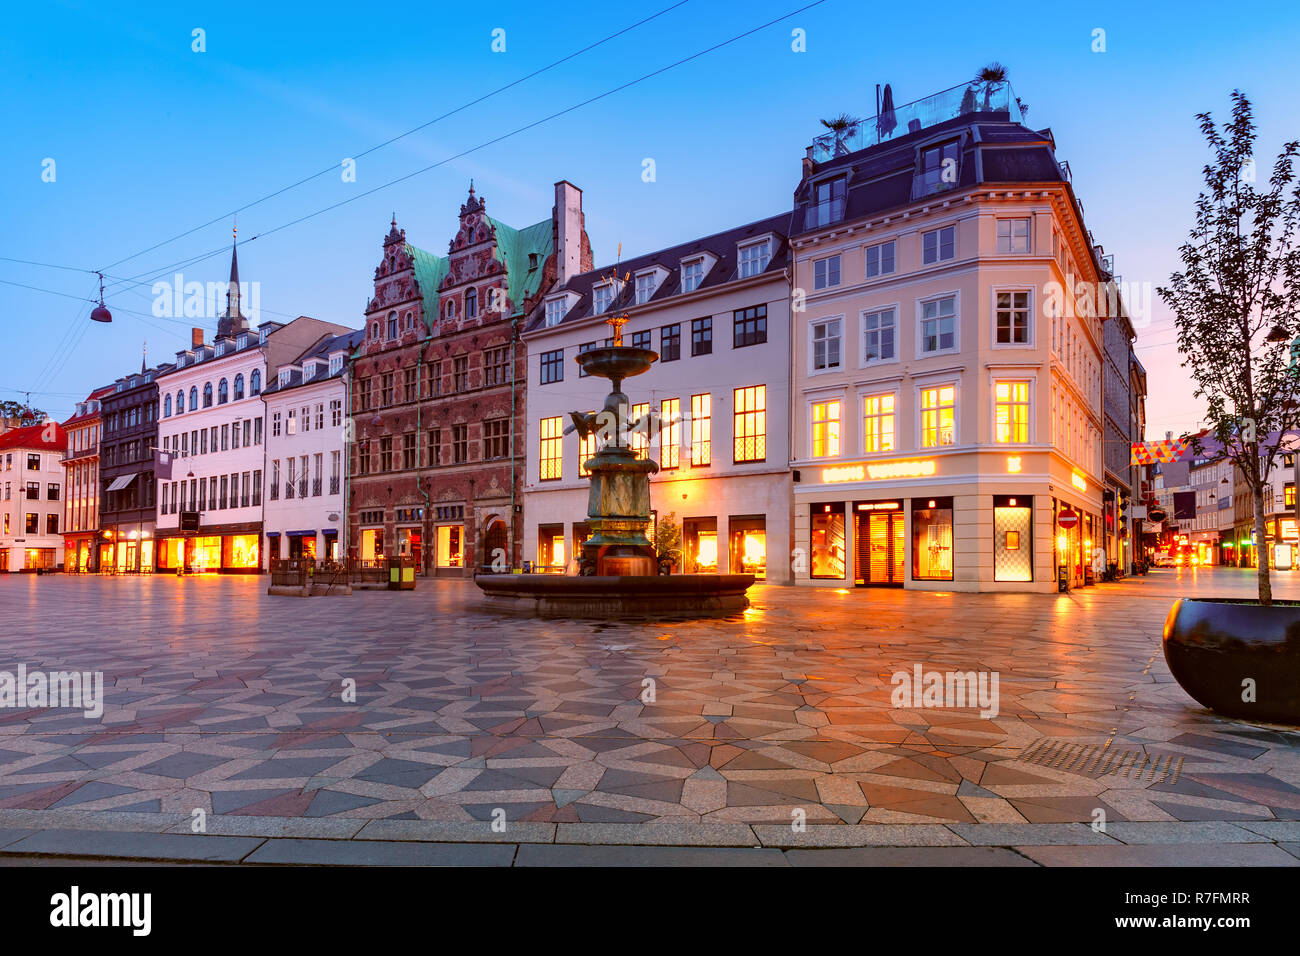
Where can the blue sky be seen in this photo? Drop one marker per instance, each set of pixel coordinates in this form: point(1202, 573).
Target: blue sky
point(151, 139)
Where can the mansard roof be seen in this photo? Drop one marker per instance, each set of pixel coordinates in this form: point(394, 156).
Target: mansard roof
point(722, 246)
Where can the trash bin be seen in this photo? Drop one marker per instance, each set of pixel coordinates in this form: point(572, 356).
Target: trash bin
point(401, 573)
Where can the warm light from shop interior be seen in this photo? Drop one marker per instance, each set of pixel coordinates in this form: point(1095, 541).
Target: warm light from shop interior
point(755, 549)
point(707, 552)
point(1061, 542)
point(1076, 479)
point(1013, 463)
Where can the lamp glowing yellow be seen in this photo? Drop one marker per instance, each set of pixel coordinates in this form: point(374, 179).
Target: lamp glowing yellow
point(1061, 543)
point(1076, 479)
point(1013, 463)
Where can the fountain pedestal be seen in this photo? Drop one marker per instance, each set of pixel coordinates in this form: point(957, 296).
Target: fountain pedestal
point(618, 568)
point(618, 509)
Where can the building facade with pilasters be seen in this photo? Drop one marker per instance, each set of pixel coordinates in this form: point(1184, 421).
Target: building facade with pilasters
point(946, 397)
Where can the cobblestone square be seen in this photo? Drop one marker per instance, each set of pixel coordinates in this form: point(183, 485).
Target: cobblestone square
point(223, 699)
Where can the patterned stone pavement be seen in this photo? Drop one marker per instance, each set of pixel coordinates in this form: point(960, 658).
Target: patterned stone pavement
point(221, 698)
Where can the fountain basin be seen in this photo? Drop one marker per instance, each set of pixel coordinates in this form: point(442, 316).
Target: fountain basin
point(612, 597)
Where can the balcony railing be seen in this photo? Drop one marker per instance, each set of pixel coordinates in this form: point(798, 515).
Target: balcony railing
point(823, 214)
point(968, 98)
point(315, 487)
point(302, 487)
point(334, 486)
point(288, 489)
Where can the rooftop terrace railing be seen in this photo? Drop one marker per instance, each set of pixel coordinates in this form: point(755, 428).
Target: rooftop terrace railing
point(968, 98)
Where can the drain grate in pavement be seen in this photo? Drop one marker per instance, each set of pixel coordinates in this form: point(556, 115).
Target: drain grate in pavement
point(1100, 760)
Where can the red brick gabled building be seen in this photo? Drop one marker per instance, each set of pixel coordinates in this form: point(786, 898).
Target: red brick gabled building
point(437, 389)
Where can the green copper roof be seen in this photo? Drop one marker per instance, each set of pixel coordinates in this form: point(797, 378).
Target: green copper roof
point(512, 250)
point(429, 271)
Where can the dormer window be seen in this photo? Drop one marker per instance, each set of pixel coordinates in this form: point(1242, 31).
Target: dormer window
point(602, 296)
point(308, 370)
point(242, 341)
point(754, 257)
point(261, 336)
point(938, 170)
point(555, 309)
point(336, 364)
point(532, 262)
point(692, 274)
point(645, 287)
point(827, 202)
point(285, 376)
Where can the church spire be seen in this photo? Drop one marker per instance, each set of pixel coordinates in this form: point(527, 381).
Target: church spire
point(233, 321)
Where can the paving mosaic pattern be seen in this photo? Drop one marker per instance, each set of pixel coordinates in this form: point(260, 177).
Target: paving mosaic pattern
point(222, 698)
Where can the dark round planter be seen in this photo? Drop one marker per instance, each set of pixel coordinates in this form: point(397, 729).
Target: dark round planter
point(1213, 647)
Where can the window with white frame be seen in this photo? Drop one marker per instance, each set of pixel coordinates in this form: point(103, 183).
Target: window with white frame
point(826, 344)
point(939, 325)
point(826, 428)
point(938, 245)
point(1012, 318)
point(692, 274)
point(880, 258)
point(601, 297)
point(878, 422)
point(1013, 235)
point(754, 258)
point(826, 272)
point(555, 309)
point(1011, 412)
point(938, 416)
point(645, 288)
point(879, 336)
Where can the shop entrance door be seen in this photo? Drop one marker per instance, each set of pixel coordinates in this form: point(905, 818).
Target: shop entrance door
point(880, 548)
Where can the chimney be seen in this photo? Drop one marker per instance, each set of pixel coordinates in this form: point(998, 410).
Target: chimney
point(568, 231)
point(196, 338)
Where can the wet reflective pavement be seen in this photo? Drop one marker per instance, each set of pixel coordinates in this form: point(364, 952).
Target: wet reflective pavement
point(223, 699)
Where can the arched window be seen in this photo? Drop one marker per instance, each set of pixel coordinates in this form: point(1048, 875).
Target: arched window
point(392, 325)
point(374, 330)
point(239, 386)
point(471, 304)
point(451, 308)
point(410, 320)
point(180, 402)
point(207, 395)
point(255, 382)
point(167, 407)
point(223, 392)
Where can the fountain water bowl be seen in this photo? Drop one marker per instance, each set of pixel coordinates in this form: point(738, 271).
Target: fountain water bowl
point(619, 566)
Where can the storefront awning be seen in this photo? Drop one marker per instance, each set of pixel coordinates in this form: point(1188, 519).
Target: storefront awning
point(121, 481)
point(301, 534)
